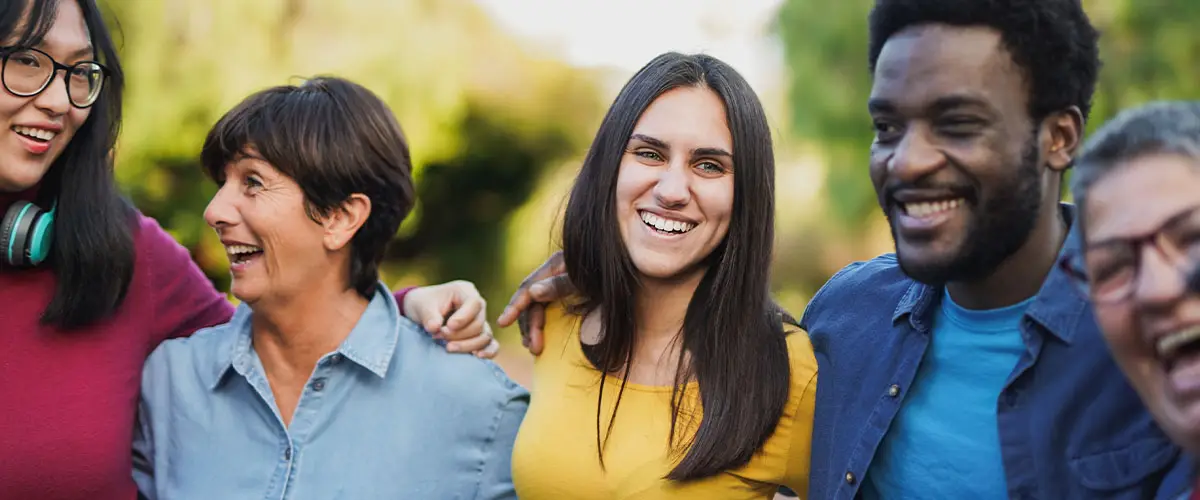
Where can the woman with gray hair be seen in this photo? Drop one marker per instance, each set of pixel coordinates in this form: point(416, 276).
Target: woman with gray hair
point(1137, 184)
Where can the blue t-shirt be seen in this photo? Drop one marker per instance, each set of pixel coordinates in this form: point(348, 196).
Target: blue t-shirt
point(944, 442)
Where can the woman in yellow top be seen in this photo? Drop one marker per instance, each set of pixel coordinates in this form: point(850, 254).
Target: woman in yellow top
point(671, 373)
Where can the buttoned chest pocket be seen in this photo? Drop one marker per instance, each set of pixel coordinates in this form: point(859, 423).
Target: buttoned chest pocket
point(1133, 472)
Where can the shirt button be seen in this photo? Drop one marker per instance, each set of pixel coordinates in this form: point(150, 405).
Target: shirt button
point(893, 391)
point(287, 453)
point(318, 384)
point(335, 359)
point(849, 478)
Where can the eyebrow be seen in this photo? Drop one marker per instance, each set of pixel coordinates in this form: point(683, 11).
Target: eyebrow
point(1174, 219)
point(940, 105)
point(88, 51)
point(952, 102)
point(658, 143)
point(877, 105)
point(649, 140)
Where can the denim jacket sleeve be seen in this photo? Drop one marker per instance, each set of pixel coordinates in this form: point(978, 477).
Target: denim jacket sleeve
point(1178, 481)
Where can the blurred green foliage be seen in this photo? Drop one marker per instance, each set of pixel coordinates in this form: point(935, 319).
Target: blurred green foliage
point(485, 117)
point(1148, 47)
point(497, 127)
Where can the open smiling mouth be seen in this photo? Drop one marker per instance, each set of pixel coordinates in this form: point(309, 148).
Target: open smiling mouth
point(35, 134)
point(926, 209)
point(36, 140)
point(1178, 348)
point(920, 218)
point(665, 226)
point(242, 254)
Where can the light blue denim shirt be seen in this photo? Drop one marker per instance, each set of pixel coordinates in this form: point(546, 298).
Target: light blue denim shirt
point(390, 414)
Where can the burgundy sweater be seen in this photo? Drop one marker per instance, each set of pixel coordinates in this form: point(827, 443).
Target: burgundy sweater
point(69, 398)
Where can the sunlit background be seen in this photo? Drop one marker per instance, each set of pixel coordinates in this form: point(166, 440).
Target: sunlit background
point(500, 99)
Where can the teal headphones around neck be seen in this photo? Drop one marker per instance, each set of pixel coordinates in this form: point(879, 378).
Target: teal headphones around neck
point(26, 233)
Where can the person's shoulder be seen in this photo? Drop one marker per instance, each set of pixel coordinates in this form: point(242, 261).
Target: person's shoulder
point(783, 458)
point(562, 325)
point(159, 254)
point(882, 270)
point(190, 356)
point(475, 380)
point(802, 359)
point(878, 282)
point(150, 237)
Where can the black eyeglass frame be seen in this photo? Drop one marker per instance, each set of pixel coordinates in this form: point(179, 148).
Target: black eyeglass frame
point(6, 52)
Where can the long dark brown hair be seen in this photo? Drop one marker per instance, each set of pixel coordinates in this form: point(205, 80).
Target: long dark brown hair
point(93, 254)
point(732, 334)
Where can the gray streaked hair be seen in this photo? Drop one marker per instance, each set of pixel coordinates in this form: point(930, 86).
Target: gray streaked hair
point(1157, 127)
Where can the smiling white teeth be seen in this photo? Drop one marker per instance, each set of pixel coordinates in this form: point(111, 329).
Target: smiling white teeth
point(666, 225)
point(1170, 344)
point(36, 133)
point(927, 208)
point(241, 249)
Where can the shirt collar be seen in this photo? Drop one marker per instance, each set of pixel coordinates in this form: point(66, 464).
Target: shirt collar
point(1059, 306)
point(371, 344)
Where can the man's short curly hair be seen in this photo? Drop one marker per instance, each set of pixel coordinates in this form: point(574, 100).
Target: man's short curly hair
point(1053, 41)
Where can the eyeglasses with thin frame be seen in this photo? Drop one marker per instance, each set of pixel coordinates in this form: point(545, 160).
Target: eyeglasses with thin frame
point(27, 72)
point(1108, 270)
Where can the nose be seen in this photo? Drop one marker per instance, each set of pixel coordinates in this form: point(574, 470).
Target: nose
point(220, 212)
point(673, 189)
point(1160, 284)
point(915, 157)
point(54, 100)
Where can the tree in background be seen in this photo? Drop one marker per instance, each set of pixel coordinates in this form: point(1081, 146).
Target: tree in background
point(484, 116)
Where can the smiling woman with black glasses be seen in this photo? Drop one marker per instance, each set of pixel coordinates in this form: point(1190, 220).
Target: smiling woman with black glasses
point(1137, 184)
point(89, 286)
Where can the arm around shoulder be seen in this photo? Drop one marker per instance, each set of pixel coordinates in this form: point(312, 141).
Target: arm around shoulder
point(184, 298)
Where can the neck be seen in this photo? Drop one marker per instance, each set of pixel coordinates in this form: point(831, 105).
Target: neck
point(661, 306)
point(293, 334)
point(1021, 275)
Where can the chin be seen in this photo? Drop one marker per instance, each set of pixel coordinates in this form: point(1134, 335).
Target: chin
point(661, 274)
point(927, 269)
point(930, 262)
point(245, 294)
point(663, 268)
point(23, 178)
point(1183, 427)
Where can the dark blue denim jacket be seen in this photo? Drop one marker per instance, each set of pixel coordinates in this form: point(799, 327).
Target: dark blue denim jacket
point(1070, 425)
